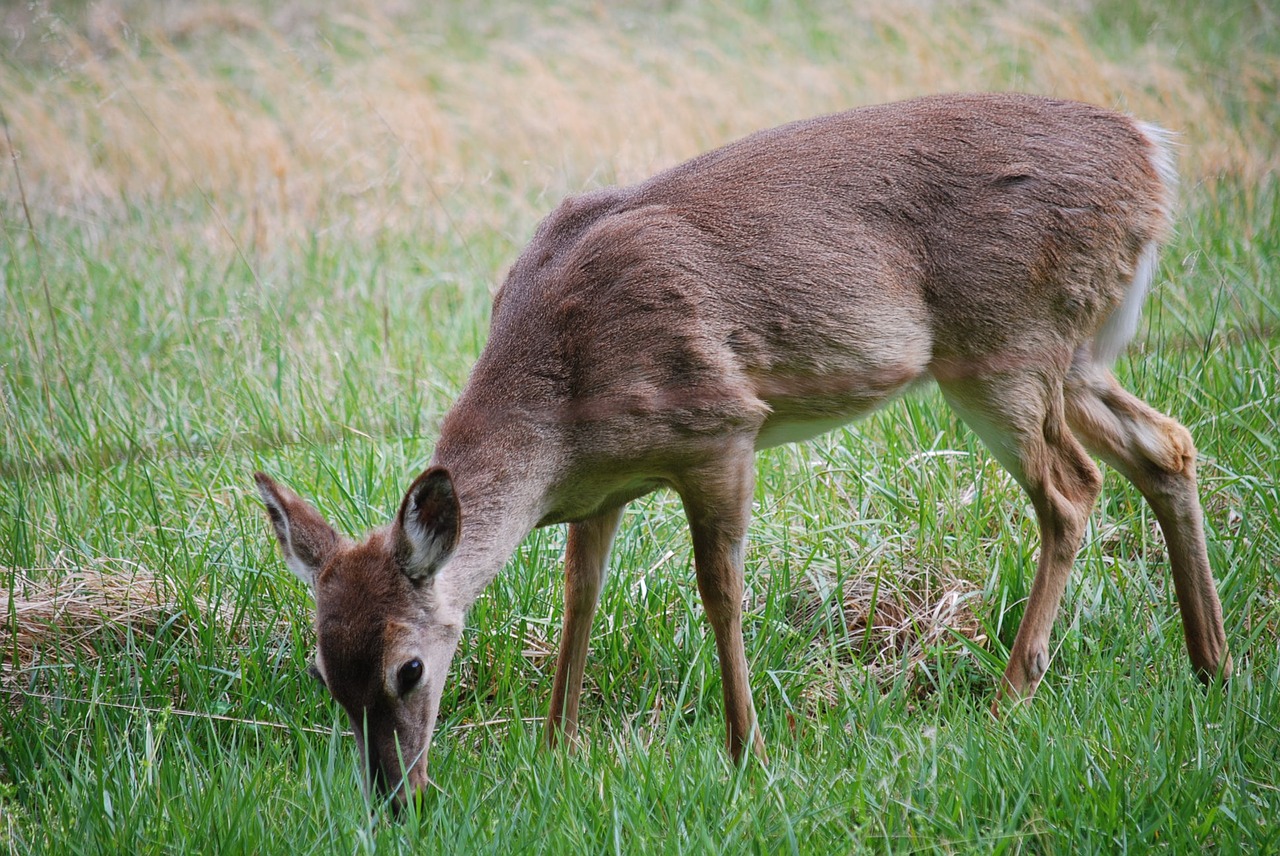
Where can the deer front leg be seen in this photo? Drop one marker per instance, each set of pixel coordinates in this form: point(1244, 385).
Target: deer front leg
point(585, 562)
point(717, 502)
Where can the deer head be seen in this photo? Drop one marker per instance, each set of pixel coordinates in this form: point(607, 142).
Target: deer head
point(385, 635)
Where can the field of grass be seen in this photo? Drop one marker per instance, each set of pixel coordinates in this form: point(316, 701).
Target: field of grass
point(257, 235)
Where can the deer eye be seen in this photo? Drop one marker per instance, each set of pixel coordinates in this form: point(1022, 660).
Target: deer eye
point(409, 675)
point(314, 671)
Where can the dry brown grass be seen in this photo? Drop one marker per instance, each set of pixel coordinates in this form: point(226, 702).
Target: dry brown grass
point(268, 127)
point(887, 625)
point(75, 616)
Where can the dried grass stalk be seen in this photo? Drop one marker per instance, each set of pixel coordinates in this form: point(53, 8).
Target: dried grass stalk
point(886, 625)
point(83, 615)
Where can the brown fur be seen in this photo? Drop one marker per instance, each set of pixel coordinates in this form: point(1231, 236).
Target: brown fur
point(657, 335)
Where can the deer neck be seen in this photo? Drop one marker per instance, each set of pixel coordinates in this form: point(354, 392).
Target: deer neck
point(503, 467)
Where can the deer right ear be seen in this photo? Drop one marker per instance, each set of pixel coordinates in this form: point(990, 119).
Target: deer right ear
point(305, 538)
point(430, 523)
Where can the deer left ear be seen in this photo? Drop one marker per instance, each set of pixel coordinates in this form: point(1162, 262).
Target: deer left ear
point(429, 524)
point(306, 540)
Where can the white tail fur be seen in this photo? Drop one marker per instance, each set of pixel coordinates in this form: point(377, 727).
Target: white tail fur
point(1119, 328)
point(1121, 325)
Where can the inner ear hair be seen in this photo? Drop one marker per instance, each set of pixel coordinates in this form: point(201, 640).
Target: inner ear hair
point(430, 524)
point(305, 538)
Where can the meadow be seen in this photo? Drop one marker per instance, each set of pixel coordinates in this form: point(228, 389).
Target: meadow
point(255, 235)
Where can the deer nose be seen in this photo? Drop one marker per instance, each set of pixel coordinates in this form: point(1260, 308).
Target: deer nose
point(387, 780)
point(407, 790)
point(412, 786)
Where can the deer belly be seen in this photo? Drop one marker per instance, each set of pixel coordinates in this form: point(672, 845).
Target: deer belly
point(823, 406)
point(776, 432)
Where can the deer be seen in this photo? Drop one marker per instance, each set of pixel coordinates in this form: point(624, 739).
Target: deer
point(997, 245)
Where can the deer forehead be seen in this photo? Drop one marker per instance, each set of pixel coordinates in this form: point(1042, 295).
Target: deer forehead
point(366, 612)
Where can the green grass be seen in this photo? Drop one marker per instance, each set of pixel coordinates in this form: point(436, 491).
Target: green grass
point(167, 330)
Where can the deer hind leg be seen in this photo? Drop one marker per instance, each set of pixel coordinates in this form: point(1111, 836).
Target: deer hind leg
point(586, 560)
point(1156, 453)
point(717, 503)
point(1021, 419)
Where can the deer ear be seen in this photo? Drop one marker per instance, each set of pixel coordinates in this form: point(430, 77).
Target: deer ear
point(429, 524)
point(305, 538)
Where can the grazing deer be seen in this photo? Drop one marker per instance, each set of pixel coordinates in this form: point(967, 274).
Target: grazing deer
point(762, 293)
